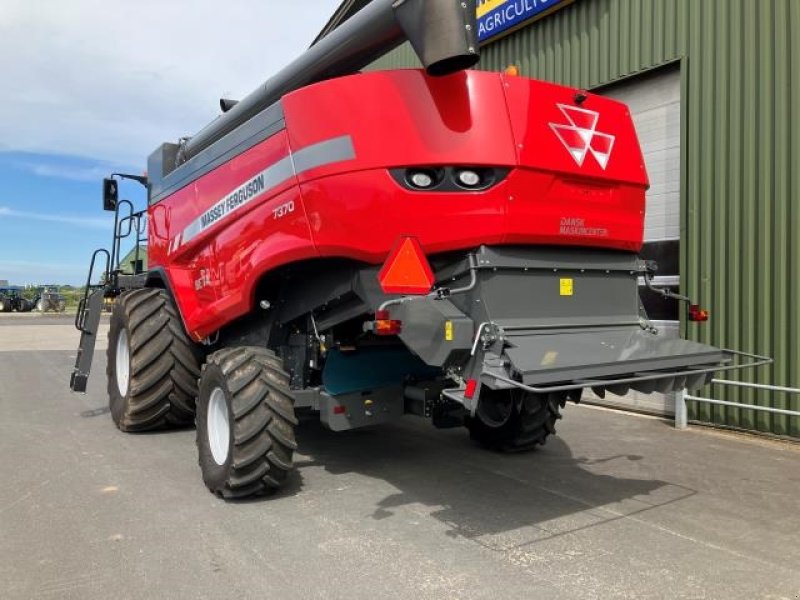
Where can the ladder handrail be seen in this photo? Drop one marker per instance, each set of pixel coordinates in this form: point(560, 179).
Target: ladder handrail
point(79, 316)
point(117, 231)
point(132, 222)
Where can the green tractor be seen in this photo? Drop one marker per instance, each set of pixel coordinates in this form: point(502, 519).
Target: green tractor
point(11, 299)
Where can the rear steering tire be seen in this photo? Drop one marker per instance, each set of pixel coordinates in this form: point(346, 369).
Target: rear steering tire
point(153, 365)
point(514, 420)
point(245, 423)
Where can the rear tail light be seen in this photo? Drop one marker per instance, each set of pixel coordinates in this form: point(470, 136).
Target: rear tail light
point(385, 325)
point(697, 314)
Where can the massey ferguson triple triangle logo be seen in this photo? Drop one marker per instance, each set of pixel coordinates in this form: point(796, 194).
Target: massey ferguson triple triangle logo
point(581, 137)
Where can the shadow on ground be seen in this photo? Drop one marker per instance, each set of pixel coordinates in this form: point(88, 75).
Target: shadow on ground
point(475, 492)
point(479, 493)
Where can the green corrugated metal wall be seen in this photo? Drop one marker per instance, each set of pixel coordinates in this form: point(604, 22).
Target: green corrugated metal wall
point(740, 64)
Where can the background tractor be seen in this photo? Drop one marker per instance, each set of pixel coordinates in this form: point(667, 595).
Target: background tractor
point(11, 299)
point(48, 298)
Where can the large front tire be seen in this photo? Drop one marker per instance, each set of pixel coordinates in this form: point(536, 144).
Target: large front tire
point(153, 365)
point(245, 423)
point(514, 420)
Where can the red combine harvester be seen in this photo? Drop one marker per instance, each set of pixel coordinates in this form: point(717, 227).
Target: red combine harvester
point(454, 244)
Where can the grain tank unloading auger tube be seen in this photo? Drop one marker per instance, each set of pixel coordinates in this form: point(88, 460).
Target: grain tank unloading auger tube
point(455, 244)
point(442, 33)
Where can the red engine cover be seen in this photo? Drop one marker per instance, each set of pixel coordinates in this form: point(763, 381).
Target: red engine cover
point(322, 187)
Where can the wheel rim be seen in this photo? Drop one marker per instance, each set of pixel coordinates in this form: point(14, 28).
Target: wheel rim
point(496, 409)
point(219, 431)
point(123, 362)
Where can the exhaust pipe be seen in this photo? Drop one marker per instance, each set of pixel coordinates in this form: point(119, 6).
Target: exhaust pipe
point(443, 34)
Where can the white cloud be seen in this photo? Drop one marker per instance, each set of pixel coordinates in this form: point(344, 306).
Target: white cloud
point(88, 222)
point(110, 79)
point(57, 171)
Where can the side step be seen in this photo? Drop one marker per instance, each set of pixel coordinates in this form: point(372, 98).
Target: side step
point(88, 322)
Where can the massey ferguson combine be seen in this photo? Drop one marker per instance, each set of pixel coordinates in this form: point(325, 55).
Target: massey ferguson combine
point(454, 244)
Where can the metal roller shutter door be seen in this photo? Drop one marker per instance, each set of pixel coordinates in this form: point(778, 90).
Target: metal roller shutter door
point(655, 103)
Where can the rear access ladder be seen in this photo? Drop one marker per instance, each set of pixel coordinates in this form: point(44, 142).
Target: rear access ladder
point(87, 321)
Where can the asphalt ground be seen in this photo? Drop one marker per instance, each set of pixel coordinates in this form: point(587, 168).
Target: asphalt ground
point(616, 506)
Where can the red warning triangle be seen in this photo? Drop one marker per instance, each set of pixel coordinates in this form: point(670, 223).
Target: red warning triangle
point(406, 270)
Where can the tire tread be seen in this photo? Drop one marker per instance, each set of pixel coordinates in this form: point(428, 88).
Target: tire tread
point(263, 421)
point(532, 421)
point(164, 366)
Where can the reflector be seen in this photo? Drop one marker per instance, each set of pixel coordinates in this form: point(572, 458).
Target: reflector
point(406, 270)
point(469, 391)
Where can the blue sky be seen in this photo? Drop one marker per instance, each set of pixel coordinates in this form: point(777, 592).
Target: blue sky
point(93, 86)
point(49, 217)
